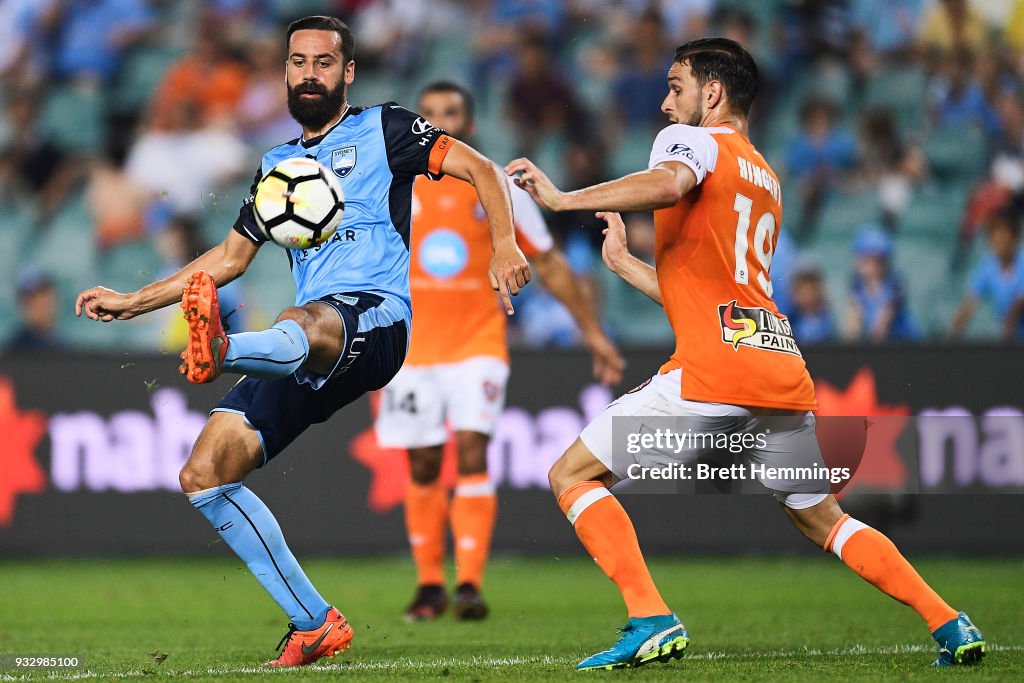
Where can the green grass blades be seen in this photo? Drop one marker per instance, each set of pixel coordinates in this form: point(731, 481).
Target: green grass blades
point(795, 619)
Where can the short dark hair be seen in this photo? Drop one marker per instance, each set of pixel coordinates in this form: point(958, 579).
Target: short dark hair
point(451, 86)
point(725, 60)
point(322, 23)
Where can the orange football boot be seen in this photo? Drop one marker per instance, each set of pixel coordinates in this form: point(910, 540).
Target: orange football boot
point(305, 647)
point(207, 343)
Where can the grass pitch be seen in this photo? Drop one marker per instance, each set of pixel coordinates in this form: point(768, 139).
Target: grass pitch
point(749, 619)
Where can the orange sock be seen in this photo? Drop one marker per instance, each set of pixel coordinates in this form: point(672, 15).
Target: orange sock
point(876, 560)
point(426, 508)
point(606, 532)
point(474, 511)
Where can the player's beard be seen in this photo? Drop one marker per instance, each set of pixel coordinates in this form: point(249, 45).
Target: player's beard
point(696, 117)
point(317, 112)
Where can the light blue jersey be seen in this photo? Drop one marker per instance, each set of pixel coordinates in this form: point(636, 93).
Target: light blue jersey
point(376, 153)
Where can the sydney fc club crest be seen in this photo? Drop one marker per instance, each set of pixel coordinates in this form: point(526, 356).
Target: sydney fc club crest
point(343, 160)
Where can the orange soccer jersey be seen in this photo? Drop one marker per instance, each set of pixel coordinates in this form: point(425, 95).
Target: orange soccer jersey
point(713, 252)
point(456, 314)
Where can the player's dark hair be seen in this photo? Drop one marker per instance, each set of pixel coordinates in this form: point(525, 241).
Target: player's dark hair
point(724, 60)
point(322, 23)
point(468, 104)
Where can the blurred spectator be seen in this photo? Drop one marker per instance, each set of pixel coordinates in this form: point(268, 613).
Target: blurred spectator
point(262, 112)
point(209, 80)
point(634, 319)
point(784, 260)
point(116, 203)
point(22, 54)
point(186, 164)
point(541, 100)
point(819, 155)
point(32, 163)
point(889, 25)
point(396, 34)
point(877, 310)
point(498, 29)
point(585, 164)
point(37, 308)
point(956, 100)
point(640, 86)
point(684, 19)
point(1004, 188)
point(953, 24)
point(812, 29)
point(1013, 30)
point(997, 281)
point(543, 320)
point(810, 316)
point(90, 36)
point(892, 165)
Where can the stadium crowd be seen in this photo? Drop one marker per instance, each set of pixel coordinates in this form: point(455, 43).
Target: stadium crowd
point(129, 131)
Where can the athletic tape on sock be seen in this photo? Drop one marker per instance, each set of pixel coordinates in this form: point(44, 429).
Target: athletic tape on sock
point(585, 501)
point(848, 529)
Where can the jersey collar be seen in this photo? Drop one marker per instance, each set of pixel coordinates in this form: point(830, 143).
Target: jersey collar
point(314, 141)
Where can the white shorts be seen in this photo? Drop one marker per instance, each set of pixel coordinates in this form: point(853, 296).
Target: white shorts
point(415, 406)
point(787, 441)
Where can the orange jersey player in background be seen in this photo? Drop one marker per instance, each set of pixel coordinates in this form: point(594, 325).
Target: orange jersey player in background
point(736, 370)
point(457, 367)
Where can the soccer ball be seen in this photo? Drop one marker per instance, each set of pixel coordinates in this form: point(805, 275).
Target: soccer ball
point(298, 204)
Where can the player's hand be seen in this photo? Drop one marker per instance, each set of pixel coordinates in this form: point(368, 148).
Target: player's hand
point(536, 183)
point(508, 273)
point(614, 250)
point(100, 303)
point(608, 363)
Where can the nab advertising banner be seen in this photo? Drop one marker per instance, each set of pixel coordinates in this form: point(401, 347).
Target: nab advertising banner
point(91, 446)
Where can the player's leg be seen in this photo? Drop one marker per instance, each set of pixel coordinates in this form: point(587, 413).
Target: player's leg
point(653, 633)
point(226, 451)
point(475, 395)
point(816, 514)
point(426, 516)
point(411, 416)
point(873, 557)
point(310, 336)
point(473, 515)
point(580, 479)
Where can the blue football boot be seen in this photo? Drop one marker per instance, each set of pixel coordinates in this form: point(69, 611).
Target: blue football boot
point(646, 640)
point(960, 642)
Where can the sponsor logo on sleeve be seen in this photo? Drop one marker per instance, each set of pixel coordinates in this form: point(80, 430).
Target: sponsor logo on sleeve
point(421, 126)
point(756, 328)
point(679, 149)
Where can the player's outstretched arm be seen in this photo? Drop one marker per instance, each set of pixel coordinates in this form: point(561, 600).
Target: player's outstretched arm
point(225, 262)
point(556, 274)
point(656, 188)
point(509, 270)
point(615, 253)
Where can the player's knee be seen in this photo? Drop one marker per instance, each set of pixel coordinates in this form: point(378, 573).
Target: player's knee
point(299, 315)
point(472, 455)
point(559, 476)
point(424, 469)
point(191, 479)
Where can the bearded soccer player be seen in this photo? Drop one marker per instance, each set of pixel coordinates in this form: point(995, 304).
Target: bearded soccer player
point(348, 331)
point(717, 208)
point(458, 366)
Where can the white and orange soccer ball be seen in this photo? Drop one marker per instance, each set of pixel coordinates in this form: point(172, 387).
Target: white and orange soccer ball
point(298, 204)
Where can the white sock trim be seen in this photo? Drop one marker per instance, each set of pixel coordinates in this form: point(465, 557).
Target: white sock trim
point(848, 528)
point(479, 489)
point(585, 501)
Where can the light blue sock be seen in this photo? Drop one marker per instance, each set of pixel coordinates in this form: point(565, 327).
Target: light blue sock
point(249, 528)
point(270, 354)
